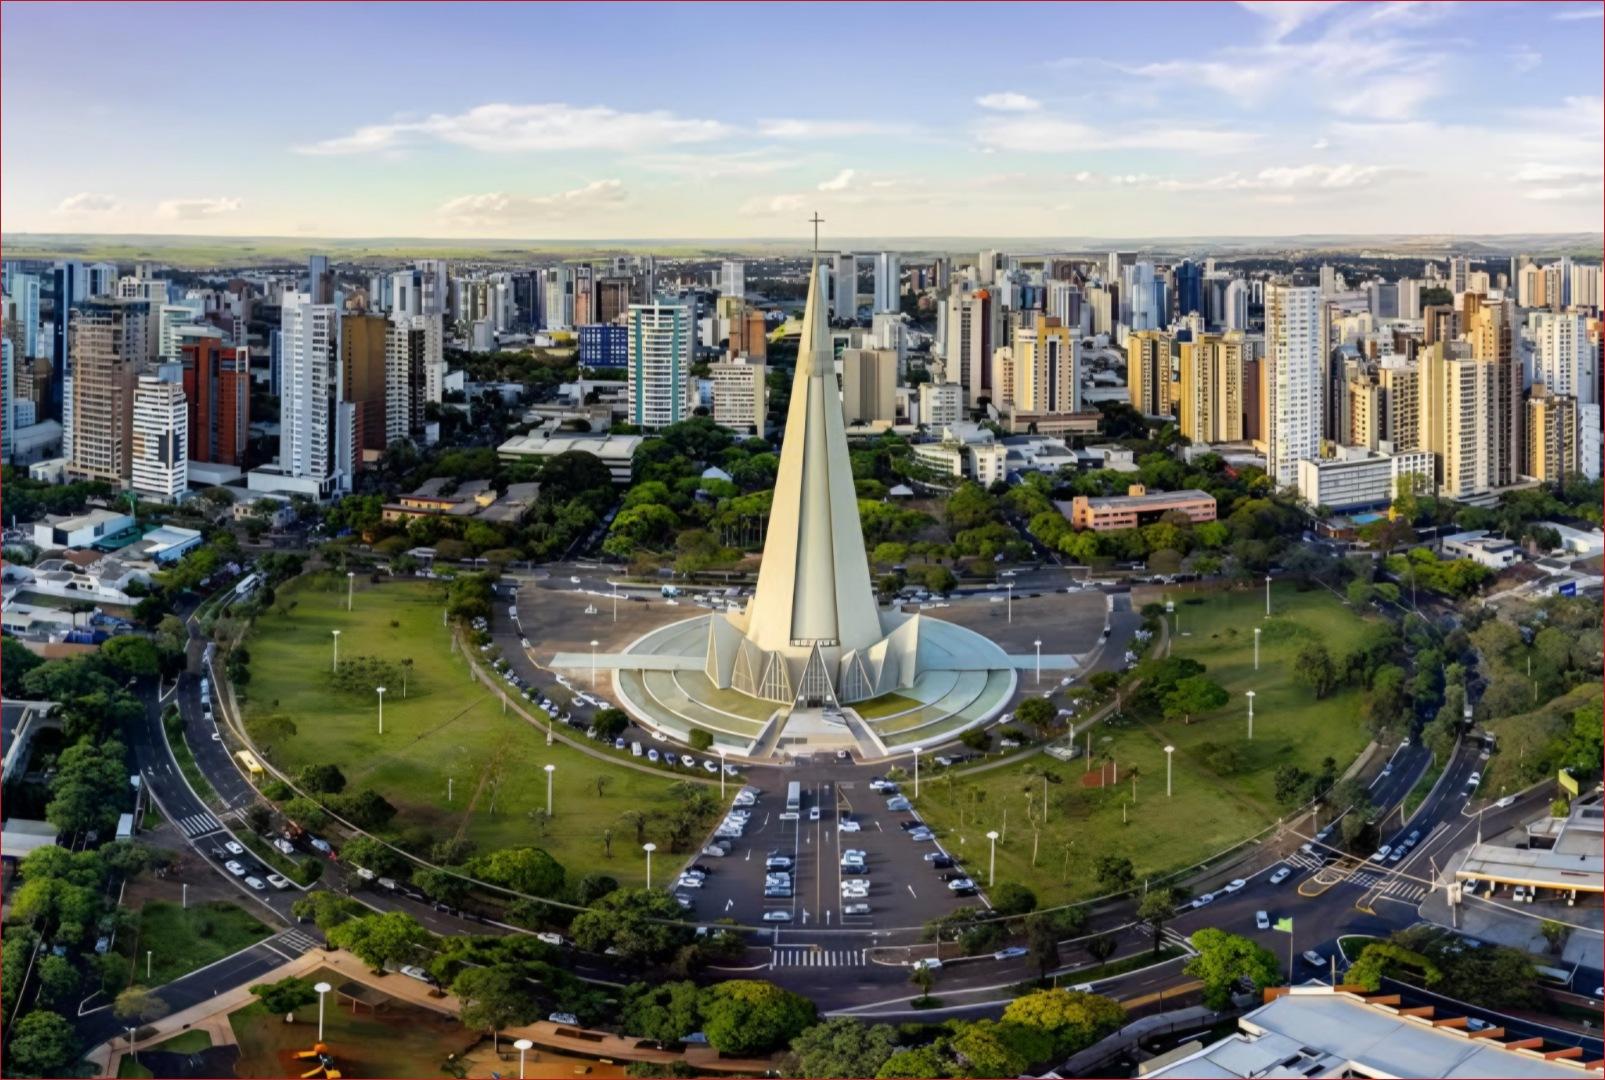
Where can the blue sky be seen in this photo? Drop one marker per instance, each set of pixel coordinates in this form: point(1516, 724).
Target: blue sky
point(658, 121)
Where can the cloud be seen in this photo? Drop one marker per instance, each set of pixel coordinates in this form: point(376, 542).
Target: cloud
point(503, 128)
point(1287, 178)
point(1525, 58)
point(1579, 14)
point(839, 182)
point(1058, 135)
point(1286, 16)
point(714, 166)
point(1008, 101)
point(196, 209)
point(764, 205)
point(88, 202)
point(499, 208)
point(1547, 182)
point(1319, 144)
point(827, 129)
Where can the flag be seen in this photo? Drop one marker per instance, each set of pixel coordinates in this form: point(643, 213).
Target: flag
point(1284, 925)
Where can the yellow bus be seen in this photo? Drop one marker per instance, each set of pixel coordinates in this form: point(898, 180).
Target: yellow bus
point(252, 766)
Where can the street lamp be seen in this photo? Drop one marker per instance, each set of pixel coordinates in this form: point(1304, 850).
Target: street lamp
point(1011, 601)
point(1250, 695)
point(550, 769)
point(721, 772)
point(335, 667)
point(351, 585)
point(1038, 644)
point(1256, 648)
point(131, 1051)
point(381, 692)
point(322, 988)
point(594, 644)
point(649, 848)
point(521, 1046)
point(615, 603)
point(1267, 596)
point(916, 772)
point(992, 859)
point(1169, 750)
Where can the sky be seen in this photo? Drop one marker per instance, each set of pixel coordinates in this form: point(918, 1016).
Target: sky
point(640, 121)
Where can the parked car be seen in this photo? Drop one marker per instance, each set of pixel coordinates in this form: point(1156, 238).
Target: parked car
point(1281, 875)
point(564, 1018)
point(777, 916)
point(1313, 958)
point(234, 868)
point(278, 881)
point(1010, 953)
point(1262, 920)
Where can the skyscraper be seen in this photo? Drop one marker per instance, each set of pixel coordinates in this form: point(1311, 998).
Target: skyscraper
point(1294, 355)
point(24, 295)
point(662, 336)
point(1489, 327)
point(739, 399)
point(1457, 417)
point(159, 465)
point(1047, 368)
point(217, 391)
point(314, 429)
point(8, 393)
point(1562, 354)
point(363, 344)
point(1189, 288)
point(973, 330)
point(1148, 371)
point(320, 280)
point(888, 282)
point(1551, 436)
point(869, 385)
point(68, 286)
point(1210, 403)
point(406, 376)
point(105, 343)
point(845, 307)
point(733, 278)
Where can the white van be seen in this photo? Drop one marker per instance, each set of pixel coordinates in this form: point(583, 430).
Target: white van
point(635, 749)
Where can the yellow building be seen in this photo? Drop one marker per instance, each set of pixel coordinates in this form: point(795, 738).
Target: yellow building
point(1148, 371)
point(1551, 435)
point(1209, 398)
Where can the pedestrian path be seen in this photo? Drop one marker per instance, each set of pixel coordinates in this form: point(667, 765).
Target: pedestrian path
point(1405, 889)
point(295, 942)
point(808, 956)
point(198, 825)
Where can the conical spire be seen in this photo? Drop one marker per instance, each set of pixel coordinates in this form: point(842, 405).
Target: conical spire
point(814, 585)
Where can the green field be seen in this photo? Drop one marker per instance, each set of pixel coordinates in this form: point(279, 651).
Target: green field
point(1206, 812)
point(180, 940)
point(885, 705)
point(1524, 741)
point(447, 726)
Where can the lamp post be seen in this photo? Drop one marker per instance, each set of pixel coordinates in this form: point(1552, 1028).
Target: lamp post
point(1267, 596)
point(1169, 751)
point(521, 1046)
point(322, 988)
point(131, 1051)
point(992, 859)
point(916, 772)
point(721, 772)
point(147, 964)
point(351, 585)
point(550, 769)
point(1011, 601)
point(381, 692)
point(615, 603)
point(1256, 648)
point(649, 848)
point(335, 667)
point(1038, 644)
point(1250, 695)
point(594, 644)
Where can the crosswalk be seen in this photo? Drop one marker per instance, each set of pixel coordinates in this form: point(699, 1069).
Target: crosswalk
point(812, 957)
point(296, 940)
point(196, 825)
point(1405, 889)
point(1303, 861)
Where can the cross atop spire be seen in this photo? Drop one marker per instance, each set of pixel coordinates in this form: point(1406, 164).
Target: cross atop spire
point(816, 219)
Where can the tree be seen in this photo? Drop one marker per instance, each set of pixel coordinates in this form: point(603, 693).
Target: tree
point(1359, 593)
point(138, 1005)
point(1115, 873)
point(306, 813)
point(750, 1016)
point(285, 996)
point(1042, 938)
point(16, 660)
point(324, 779)
point(130, 654)
point(1073, 1019)
point(527, 870)
point(1314, 668)
point(664, 1012)
point(1155, 910)
point(58, 981)
point(841, 1047)
point(1194, 694)
point(1038, 712)
point(42, 1043)
point(87, 791)
point(392, 938)
point(494, 997)
point(1554, 934)
point(988, 1048)
point(610, 723)
point(1384, 958)
point(1012, 898)
point(327, 910)
point(641, 924)
point(1225, 959)
point(915, 1063)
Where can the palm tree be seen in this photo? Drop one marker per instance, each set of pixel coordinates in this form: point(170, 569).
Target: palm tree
point(924, 978)
point(406, 666)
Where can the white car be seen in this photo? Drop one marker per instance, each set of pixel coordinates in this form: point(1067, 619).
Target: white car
point(652, 756)
point(278, 881)
point(256, 883)
point(1010, 953)
point(1200, 901)
point(687, 881)
point(855, 883)
point(573, 580)
point(564, 1018)
point(283, 845)
point(1235, 884)
point(550, 938)
point(848, 825)
point(1281, 875)
point(855, 909)
point(777, 916)
point(233, 847)
point(413, 972)
point(960, 884)
point(1314, 959)
point(813, 813)
point(234, 868)
point(710, 766)
point(1262, 920)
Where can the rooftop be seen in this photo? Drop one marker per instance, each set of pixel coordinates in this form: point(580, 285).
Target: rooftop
point(1149, 499)
point(606, 445)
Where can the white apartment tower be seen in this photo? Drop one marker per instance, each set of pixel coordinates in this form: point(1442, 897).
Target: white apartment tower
point(733, 278)
point(845, 278)
point(310, 413)
point(659, 385)
point(739, 400)
point(1294, 355)
point(160, 460)
point(1563, 357)
point(888, 281)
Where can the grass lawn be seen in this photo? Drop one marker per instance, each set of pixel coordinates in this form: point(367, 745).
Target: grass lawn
point(1206, 812)
point(398, 1040)
point(183, 939)
point(128, 1067)
point(885, 705)
point(1522, 740)
point(447, 726)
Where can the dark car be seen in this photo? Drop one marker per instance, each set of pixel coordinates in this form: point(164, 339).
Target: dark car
point(909, 823)
point(956, 875)
point(941, 862)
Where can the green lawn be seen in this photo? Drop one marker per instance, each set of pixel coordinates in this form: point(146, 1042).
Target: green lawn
point(180, 940)
point(447, 726)
point(1205, 812)
point(398, 1040)
point(885, 705)
point(1523, 741)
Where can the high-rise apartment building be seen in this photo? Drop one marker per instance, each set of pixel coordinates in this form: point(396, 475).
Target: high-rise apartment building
point(1148, 371)
point(1254, 399)
point(844, 276)
point(739, 399)
point(749, 334)
point(1399, 405)
point(973, 330)
point(1457, 417)
point(159, 458)
point(941, 404)
point(363, 353)
point(1563, 356)
point(1210, 402)
point(1489, 326)
point(406, 376)
point(105, 342)
point(1295, 354)
point(1047, 368)
point(662, 337)
point(217, 391)
point(320, 279)
point(888, 282)
point(869, 385)
point(434, 286)
point(1003, 373)
point(8, 395)
point(24, 296)
point(314, 425)
point(733, 278)
point(1551, 452)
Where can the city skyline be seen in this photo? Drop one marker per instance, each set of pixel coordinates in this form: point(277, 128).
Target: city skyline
point(1252, 120)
